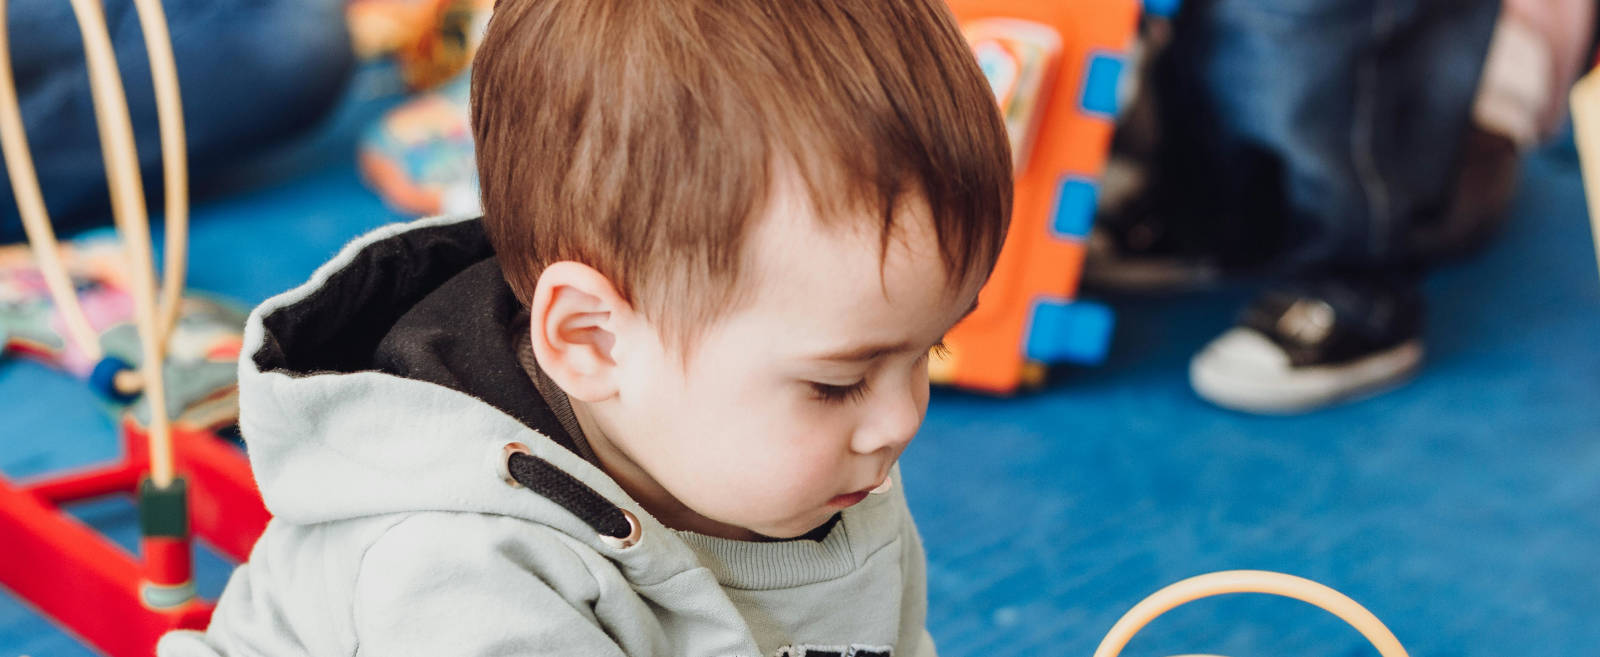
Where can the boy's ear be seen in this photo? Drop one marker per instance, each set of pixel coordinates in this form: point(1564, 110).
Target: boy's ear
point(575, 313)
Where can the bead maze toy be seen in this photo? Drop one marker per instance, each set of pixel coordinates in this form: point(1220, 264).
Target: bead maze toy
point(184, 476)
point(1054, 68)
point(1249, 581)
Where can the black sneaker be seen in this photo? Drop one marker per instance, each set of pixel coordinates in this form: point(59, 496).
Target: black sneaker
point(1298, 351)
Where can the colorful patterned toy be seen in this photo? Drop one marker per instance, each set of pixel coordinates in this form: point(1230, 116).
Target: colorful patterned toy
point(418, 157)
point(202, 354)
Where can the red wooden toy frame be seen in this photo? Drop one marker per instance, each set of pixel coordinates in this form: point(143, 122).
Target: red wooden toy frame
point(91, 586)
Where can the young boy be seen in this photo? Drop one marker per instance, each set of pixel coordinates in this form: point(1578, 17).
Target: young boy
point(639, 407)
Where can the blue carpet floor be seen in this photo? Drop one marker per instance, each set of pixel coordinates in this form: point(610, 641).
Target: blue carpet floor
point(1463, 509)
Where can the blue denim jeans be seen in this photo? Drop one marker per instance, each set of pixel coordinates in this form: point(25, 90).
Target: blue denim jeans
point(1332, 125)
point(250, 72)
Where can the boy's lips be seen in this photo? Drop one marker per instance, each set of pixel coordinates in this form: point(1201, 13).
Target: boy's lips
point(848, 499)
point(852, 499)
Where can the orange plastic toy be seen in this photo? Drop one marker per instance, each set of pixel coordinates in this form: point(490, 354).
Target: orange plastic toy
point(1055, 67)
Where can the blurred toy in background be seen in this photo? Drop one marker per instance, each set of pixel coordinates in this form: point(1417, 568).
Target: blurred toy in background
point(419, 157)
point(431, 41)
point(202, 355)
point(1055, 69)
point(1017, 57)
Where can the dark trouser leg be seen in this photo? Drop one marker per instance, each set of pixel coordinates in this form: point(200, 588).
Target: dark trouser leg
point(1334, 124)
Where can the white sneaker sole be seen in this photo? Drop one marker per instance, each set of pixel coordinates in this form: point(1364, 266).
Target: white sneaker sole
point(1244, 371)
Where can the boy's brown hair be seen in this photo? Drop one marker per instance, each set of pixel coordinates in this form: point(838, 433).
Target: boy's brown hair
point(640, 137)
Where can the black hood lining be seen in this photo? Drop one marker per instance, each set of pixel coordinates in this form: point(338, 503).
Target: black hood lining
point(428, 304)
point(339, 326)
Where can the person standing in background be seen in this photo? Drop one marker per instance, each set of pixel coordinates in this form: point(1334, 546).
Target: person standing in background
point(1339, 148)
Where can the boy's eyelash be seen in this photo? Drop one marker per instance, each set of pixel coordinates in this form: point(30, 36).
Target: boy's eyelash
point(831, 394)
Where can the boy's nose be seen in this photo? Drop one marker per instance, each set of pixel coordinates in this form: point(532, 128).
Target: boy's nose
point(891, 425)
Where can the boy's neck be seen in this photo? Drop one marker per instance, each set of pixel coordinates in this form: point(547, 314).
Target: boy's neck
point(644, 488)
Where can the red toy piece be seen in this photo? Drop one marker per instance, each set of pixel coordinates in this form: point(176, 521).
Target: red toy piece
point(88, 584)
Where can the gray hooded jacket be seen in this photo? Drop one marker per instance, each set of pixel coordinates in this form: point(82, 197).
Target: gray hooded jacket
point(376, 403)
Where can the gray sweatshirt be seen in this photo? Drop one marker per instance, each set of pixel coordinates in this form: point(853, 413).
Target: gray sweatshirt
point(376, 401)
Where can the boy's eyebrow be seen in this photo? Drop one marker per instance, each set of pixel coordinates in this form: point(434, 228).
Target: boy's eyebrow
point(869, 352)
point(864, 353)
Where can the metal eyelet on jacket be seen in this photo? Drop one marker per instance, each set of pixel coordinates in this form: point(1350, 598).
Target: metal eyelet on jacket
point(502, 462)
point(635, 532)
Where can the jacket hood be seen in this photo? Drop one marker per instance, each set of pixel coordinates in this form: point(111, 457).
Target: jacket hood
point(389, 383)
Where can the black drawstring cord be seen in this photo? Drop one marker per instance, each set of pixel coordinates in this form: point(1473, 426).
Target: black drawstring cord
point(539, 476)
